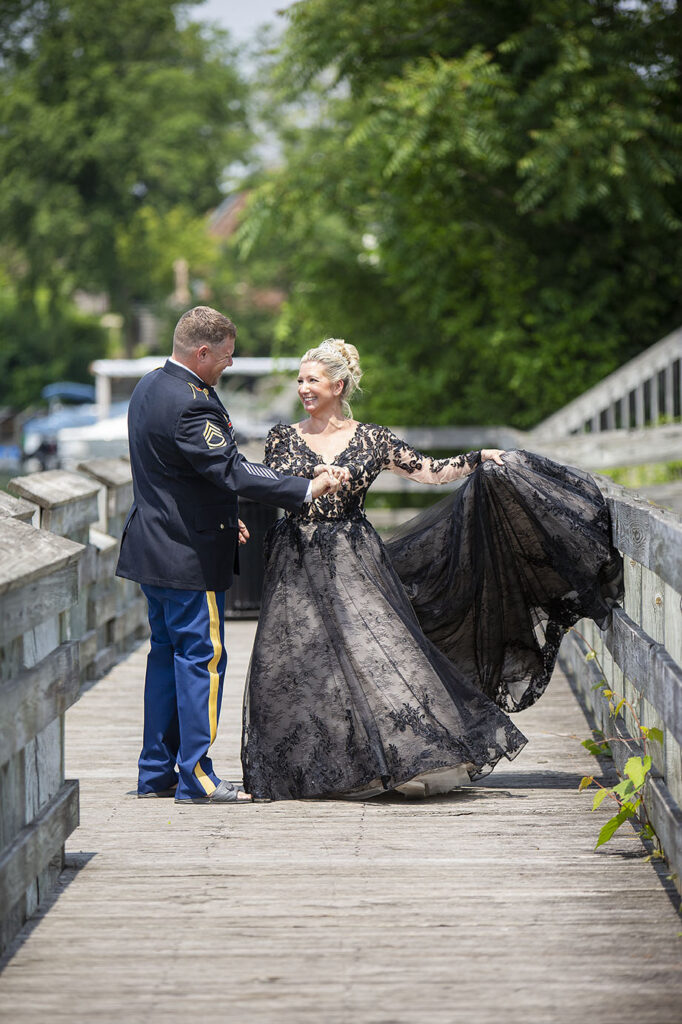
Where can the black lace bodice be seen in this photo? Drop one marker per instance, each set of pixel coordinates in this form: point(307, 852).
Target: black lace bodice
point(371, 449)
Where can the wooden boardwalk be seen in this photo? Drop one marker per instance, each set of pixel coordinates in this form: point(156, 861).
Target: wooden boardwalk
point(488, 905)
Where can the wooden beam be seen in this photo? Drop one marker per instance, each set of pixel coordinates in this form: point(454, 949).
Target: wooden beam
point(53, 487)
point(17, 508)
point(28, 554)
point(37, 844)
point(650, 535)
point(666, 817)
point(27, 606)
point(33, 699)
point(649, 668)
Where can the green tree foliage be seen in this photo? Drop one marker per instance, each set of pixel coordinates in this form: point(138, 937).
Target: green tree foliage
point(42, 342)
point(485, 197)
point(116, 125)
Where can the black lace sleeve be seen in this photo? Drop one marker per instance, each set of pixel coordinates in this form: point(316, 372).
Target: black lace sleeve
point(278, 453)
point(402, 459)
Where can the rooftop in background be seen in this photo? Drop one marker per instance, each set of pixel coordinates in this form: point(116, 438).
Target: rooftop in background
point(106, 370)
point(251, 366)
point(224, 220)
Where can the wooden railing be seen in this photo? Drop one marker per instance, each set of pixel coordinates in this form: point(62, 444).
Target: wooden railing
point(39, 680)
point(64, 619)
point(642, 391)
point(640, 657)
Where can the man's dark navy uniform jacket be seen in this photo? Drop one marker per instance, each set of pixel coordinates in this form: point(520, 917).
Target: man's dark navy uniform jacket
point(182, 531)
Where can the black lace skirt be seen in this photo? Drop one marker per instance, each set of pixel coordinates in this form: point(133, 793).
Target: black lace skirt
point(370, 670)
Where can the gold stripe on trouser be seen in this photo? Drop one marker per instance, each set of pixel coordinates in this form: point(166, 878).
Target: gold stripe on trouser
point(214, 685)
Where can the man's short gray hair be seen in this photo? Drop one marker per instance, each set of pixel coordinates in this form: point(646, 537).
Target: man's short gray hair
point(201, 326)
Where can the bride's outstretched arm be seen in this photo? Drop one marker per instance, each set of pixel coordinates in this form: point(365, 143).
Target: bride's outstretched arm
point(404, 460)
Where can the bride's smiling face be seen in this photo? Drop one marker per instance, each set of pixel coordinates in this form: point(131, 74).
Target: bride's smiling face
point(316, 391)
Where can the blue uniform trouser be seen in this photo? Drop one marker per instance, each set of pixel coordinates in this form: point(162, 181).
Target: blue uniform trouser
point(183, 690)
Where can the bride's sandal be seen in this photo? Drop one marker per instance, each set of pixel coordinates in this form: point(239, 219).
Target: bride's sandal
point(413, 790)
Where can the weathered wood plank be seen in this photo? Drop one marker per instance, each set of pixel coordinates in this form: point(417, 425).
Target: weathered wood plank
point(26, 554)
point(632, 599)
point(673, 645)
point(30, 701)
point(665, 547)
point(12, 799)
point(649, 535)
point(72, 519)
point(116, 476)
point(36, 844)
point(53, 487)
point(650, 668)
point(17, 508)
point(68, 501)
point(666, 817)
point(112, 472)
point(87, 649)
point(652, 623)
point(30, 605)
point(44, 767)
point(41, 640)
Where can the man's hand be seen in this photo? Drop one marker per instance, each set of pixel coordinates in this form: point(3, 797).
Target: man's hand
point(243, 532)
point(325, 483)
point(492, 455)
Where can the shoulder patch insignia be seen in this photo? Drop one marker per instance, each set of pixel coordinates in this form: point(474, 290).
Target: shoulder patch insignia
point(197, 391)
point(213, 436)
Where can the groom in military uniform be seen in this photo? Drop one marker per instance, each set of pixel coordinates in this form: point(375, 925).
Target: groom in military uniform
point(180, 542)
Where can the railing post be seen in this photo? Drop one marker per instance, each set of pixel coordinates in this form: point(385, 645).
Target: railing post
point(668, 392)
point(611, 416)
point(639, 406)
point(653, 400)
point(117, 605)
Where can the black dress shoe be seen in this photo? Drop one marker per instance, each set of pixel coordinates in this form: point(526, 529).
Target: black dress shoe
point(224, 793)
point(158, 792)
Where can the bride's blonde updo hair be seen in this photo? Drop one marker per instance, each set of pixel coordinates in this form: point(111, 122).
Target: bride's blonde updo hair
point(341, 362)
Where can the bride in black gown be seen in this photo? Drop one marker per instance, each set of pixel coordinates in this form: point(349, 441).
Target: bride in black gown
point(391, 667)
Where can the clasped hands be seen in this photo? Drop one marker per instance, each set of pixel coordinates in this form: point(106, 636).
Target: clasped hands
point(329, 479)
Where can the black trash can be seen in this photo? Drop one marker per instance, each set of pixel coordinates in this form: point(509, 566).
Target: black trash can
point(243, 597)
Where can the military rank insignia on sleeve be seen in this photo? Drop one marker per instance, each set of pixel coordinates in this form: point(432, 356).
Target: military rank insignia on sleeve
point(213, 436)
